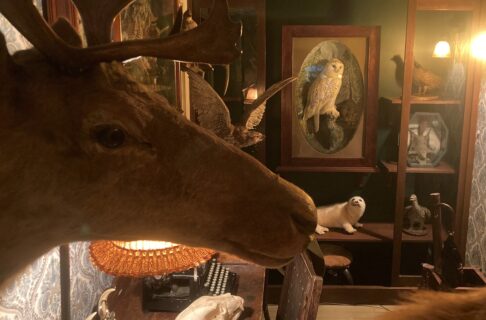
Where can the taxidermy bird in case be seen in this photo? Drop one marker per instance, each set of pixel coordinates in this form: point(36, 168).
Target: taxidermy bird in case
point(213, 114)
point(425, 82)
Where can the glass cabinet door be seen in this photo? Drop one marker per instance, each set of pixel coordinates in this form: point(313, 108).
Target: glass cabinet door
point(435, 108)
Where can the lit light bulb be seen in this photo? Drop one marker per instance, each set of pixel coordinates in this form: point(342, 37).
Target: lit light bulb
point(478, 46)
point(442, 50)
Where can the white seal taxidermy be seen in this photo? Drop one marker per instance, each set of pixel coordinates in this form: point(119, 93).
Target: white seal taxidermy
point(341, 215)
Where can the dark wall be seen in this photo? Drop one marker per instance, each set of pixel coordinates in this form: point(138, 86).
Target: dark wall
point(391, 16)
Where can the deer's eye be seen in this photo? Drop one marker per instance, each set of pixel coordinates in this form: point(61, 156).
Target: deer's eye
point(110, 137)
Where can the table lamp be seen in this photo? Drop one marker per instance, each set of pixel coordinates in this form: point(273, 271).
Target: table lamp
point(145, 258)
point(171, 272)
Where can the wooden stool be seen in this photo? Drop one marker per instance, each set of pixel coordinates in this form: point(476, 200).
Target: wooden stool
point(337, 260)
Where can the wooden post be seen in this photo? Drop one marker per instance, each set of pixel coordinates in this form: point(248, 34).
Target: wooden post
point(65, 282)
point(437, 231)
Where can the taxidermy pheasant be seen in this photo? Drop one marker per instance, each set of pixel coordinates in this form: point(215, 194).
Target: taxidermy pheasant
point(213, 114)
point(423, 80)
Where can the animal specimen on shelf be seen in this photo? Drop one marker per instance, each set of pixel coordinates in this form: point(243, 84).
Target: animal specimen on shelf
point(428, 138)
point(425, 82)
point(420, 146)
point(416, 216)
point(321, 98)
point(90, 154)
point(344, 215)
point(212, 113)
point(399, 69)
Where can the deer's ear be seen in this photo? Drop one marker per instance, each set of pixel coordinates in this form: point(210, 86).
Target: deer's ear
point(67, 33)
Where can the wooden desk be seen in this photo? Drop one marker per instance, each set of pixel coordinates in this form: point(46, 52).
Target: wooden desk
point(127, 300)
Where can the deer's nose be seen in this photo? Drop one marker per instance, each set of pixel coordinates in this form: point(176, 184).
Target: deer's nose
point(305, 221)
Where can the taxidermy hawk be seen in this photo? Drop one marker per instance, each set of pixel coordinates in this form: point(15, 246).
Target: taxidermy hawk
point(213, 114)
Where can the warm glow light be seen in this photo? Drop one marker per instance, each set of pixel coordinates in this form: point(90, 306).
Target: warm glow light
point(252, 93)
point(144, 245)
point(145, 258)
point(442, 50)
point(478, 47)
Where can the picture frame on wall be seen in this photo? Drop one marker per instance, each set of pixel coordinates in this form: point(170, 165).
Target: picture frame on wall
point(329, 114)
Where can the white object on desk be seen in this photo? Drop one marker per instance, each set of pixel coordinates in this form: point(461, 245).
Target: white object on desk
point(223, 307)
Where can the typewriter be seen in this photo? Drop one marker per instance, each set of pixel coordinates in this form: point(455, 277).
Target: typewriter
point(176, 291)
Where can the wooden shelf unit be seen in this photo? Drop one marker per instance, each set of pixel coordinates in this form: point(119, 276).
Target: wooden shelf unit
point(284, 169)
point(445, 102)
point(464, 134)
point(373, 232)
point(441, 168)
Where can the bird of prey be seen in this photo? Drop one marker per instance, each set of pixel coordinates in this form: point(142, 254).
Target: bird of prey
point(212, 113)
point(321, 98)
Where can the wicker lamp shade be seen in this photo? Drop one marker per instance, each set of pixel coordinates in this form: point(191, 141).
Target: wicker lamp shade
point(145, 258)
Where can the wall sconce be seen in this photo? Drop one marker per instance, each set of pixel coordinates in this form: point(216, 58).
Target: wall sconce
point(478, 46)
point(251, 94)
point(442, 49)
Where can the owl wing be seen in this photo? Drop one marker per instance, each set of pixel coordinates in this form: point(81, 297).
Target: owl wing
point(253, 115)
point(314, 96)
point(211, 111)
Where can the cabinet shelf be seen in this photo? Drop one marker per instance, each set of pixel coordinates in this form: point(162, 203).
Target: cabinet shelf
point(291, 169)
point(373, 232)
point(441, 168)
point(398, 101)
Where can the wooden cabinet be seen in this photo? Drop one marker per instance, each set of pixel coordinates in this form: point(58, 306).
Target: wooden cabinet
point(455, 102)
point(428, 22)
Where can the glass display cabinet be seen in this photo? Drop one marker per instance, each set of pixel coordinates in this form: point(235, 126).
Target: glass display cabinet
point(425, 142)
point(436, 121)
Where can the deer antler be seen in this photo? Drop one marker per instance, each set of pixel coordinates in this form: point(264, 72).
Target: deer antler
point(98, 18)
point(214, 41)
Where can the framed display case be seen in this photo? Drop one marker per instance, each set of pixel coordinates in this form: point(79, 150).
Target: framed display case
point(329, 114)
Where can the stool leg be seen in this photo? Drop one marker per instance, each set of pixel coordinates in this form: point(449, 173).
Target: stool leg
point(348, 276)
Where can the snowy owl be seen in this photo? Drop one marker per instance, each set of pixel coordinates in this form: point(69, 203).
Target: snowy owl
point(321, 98)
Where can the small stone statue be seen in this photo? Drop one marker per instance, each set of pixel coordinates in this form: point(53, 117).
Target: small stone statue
point(416, 216)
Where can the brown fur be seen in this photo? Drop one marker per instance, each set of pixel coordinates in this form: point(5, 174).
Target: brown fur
point(442, 306)
point(171, 180)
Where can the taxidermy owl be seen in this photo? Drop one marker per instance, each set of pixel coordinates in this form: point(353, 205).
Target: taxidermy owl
point(321, 98)
point(212, 113)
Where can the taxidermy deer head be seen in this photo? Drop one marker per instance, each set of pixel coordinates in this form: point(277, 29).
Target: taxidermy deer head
point(88, 153)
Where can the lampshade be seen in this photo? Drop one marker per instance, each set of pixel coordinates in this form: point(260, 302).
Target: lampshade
point(145, 258)
point(442, 50)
